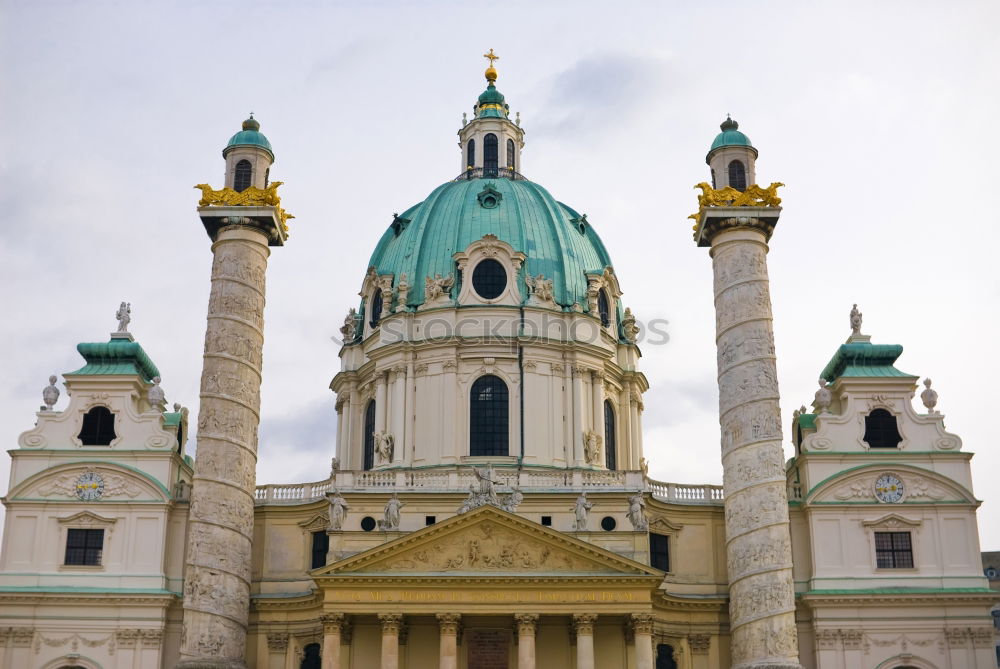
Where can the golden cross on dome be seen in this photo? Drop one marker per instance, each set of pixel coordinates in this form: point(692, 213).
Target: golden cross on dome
point(491, 56)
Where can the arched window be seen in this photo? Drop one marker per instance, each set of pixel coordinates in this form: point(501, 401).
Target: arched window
point(610, 443)
point(98, 427)
point(311, 657)
point(881, 430)
point(470, 154)
point(491, 159)
point(244, 172)
point(376, 308)
point(604, 308)
point(488, 410)
point(737, 175)
point(665, 657)
point(510, 155)
point(369, 437)
point(713, 179)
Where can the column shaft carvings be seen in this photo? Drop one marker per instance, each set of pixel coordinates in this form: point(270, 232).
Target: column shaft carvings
point(759, 556)
point(220, 524)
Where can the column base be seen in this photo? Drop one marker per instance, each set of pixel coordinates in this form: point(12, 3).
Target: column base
point(211, 664)
point(769, 665)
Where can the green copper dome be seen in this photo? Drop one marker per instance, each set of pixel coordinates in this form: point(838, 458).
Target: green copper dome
point(491, 104)
point(250, 135)
point(730, 136)
point(559, 243)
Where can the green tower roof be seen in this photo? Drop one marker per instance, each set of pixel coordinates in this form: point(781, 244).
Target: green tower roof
point(558, 241)
point(730, 136)
point(862, 358)
point(120, 356)
point(491, 104)
point(250, 135)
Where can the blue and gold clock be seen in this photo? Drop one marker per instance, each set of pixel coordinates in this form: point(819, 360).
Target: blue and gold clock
point(888, 488)
point(89, 486)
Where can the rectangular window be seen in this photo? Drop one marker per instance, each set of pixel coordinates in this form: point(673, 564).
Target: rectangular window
point(893, 550)
point(547, 521)
point(321, 544)
point(430, 520)
point(84, 547)
point(659, 553)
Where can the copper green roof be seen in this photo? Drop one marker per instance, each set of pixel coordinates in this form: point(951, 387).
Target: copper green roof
point(250, 135)
point(730, 136)
point(807, 421)
point(115, 357)
point(491, 104)
point(856, 359)
point(559, 243)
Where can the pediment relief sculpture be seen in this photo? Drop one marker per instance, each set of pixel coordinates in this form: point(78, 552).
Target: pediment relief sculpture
point(914, 486)
point(88, 483)
point(488, 547)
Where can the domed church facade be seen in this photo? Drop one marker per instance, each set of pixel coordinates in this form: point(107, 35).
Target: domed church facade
point(488, 504)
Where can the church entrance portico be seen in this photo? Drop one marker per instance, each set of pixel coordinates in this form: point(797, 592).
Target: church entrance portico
point(493, 584)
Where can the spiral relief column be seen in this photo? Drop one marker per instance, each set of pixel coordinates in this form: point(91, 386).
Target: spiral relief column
point(758, 544)
point(242, 225)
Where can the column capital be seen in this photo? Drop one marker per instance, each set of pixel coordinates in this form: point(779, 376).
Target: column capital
point(641, 623)
point(583, 623)
point(699, 643)
point(526, 623)
point(391, 622)
point(449, 622)
point(333, 622)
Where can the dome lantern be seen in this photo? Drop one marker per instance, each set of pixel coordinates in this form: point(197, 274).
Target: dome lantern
point(491, 143)
point(731, 157)
point(249, 157)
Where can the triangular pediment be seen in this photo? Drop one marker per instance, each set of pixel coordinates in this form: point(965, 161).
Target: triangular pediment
point(487, 542)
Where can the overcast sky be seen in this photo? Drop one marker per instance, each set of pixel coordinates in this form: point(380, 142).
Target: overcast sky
point(881, 118)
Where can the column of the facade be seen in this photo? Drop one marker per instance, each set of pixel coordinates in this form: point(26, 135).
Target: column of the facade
point(380, 399)
point(642, 634)
point(624, 416)
point(640, 407)
point(451, 446)
point(448, 653)
point(220, 520)
point(398, 409)
point(762, 601)
point(333, 623)
point(578, 417)
point(348, 455)
point(391, 624)
point(635, 429)
point(527, 623)
point(597, 394)
point(409, 437)
point(583, 625)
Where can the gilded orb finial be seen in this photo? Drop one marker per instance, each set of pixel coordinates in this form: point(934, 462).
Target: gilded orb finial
point(491, 72)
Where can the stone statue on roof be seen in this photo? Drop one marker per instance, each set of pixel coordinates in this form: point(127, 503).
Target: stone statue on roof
point(823, 398)
point(855, 320)
point(124, 316)
point(50, 395)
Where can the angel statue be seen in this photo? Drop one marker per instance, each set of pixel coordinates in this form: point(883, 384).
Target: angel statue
point(383, 447)
point(540, 287)
point(347, 330)
point(487, 491)
point(124, 316)
point(437, 286)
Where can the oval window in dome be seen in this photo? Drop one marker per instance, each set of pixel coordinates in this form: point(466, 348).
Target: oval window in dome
point(489, 279)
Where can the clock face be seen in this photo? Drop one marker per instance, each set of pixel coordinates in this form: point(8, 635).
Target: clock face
point(89, 486)
point(888, 488)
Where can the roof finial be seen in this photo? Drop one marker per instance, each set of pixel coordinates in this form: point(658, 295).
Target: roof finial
point(491, 72)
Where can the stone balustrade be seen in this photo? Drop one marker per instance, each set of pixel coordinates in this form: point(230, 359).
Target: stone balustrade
point(458, 480)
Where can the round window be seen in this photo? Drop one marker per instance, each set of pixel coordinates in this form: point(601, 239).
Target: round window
point(608, 523)
point(489, 279)
point(368, 523)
